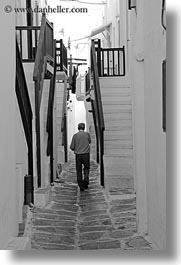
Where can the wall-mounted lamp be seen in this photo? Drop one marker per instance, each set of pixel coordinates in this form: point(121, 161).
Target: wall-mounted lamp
point(131, 4)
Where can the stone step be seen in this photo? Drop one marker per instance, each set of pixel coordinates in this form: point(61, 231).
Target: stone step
point(118, 183)
point(124, 152)
point(115, 109)
point(118, 143)
point(86, 220)
point(114, 97)
point(59, 106)
point(116, 101)
point(111, 108)
point(113, 138)
point(117, 116)
point(119, 170)
point(117, 128)
point(117, 146)
point(59, 113)
point(119, 92)
point(116, 82)
point(114, 123)
point(122, 132)
point(60, 90)
point(19, 243)
point(59, 121)
point(109, 135)
point(117, 160)
point(59, 101)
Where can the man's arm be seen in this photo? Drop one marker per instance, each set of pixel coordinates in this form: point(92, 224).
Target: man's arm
point(72, 146)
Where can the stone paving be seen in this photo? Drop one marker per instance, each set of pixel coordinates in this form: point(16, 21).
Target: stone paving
point(85, 220)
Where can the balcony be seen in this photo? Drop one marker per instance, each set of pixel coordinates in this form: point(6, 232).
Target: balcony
point(110, 61)
point(61, 60)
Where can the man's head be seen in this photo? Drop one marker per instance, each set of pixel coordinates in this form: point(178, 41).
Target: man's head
point(81, 126)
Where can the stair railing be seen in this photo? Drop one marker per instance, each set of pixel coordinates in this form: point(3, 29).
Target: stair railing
point(44, 53)
point(49, 125)
point(29, 40)
point(62, 66)
point(98, 115)
point(110, 61)
point(64, 125)
point(26, 115)
point(61, 56)
point(28, 46)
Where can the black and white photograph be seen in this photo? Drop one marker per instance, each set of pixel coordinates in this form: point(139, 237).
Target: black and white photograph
point(83, 125)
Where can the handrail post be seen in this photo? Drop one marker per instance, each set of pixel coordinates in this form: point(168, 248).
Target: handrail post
point(26, 115)
point(29, 18)
point(37, 123)
point(30, 169)
point(124, 66)
point(61, 55)
point(51, 147)
point(49, 125)
point(98, 113)
point(38, 76)
point(101, 156)
point(30, 44)
point(65, 137)
point(99, 57)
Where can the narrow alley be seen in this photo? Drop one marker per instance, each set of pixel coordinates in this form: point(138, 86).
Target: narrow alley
point(89, 82)
point(85, 220)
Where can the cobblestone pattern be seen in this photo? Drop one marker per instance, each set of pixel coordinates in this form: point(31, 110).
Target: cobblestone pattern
point(85, 220)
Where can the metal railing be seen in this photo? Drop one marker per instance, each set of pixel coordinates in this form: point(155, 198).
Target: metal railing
point(49, 125)
point(49, 43)
point(28, 42)
point(64, 125)
point(110, 61)
point(44, 53)
point(26, 113)
point(29, 39)
point(61, 56)
point(98, 115)
point(62, 66)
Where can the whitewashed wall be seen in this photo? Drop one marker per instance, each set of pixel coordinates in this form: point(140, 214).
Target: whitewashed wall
point(154, 43)
point(142, 34)
point(150, 141)
point(13, 154)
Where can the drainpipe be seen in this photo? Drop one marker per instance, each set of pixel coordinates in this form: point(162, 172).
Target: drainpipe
point(29, 18)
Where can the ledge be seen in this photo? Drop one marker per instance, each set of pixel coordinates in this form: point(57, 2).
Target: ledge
point(19, 243)
point(42, 197)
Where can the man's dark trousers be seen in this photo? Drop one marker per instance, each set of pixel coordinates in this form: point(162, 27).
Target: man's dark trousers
point(82, 159)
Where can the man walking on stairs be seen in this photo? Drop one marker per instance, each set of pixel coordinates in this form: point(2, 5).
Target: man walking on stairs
point(80, 144)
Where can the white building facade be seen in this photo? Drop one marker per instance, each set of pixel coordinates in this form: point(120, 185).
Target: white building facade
point(138, 25)
point(14, 155)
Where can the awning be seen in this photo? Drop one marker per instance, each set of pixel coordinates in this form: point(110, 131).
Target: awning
point(100, 29)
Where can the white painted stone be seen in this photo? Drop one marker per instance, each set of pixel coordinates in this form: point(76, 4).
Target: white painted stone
point(19, 243)
point(42, 197)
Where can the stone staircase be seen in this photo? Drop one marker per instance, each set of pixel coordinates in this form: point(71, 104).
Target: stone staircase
point(118, 155)
point(86, 220)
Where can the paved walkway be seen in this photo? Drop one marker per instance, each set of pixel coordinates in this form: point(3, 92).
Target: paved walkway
point(85, 220)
